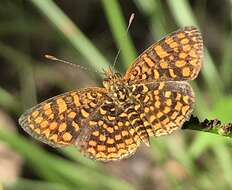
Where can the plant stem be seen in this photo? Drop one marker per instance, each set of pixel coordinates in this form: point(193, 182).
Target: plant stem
point(211, 126)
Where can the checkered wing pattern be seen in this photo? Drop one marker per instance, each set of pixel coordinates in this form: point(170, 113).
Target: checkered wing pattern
point(177, 57)
point(58, 120)
point(112, 136)
point(163, 108)
point(87, 119)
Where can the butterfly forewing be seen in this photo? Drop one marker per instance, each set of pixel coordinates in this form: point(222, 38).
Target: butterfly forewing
point(58, 120)
point(176, 57)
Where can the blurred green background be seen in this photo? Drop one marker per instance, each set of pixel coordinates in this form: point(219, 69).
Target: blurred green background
point(89, 33)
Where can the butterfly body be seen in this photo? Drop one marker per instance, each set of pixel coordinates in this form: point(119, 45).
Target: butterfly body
point(153, 98)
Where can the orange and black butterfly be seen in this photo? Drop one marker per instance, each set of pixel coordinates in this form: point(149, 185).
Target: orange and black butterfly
point(153, 98)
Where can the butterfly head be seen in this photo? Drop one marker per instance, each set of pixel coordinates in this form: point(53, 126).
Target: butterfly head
point(115, 84)
point(111, 79)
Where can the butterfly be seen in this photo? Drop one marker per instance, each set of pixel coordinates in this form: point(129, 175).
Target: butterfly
point(107, 123)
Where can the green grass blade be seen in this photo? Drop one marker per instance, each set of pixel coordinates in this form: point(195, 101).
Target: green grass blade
point(56, 169)
point(41, 162)
point(25, 184)
point(72, 33)
point(8, 101)
point(25, 72)
point(72, 153)
point(118, 28)
point(225, 68)
point(154, 10)
point(224, 159)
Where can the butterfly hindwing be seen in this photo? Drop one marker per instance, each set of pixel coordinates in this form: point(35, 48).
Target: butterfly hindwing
point(112, 136)
point(164, 105)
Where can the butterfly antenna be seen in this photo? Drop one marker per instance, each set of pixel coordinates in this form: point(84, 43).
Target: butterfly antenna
point(128, 27)
point(53, 58)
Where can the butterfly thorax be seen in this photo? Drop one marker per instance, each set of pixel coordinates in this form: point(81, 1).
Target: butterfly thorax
point(116, 86)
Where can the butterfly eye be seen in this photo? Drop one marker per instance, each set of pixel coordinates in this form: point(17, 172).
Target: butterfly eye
point(106, 83)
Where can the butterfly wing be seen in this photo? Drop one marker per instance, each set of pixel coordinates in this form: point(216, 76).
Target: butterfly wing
point(112, 135)
point(85, 118)
point(57, 121)
point(176, 57)
point(164, 106)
